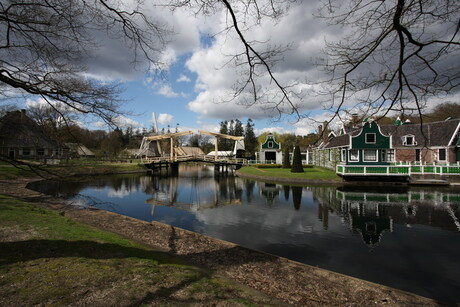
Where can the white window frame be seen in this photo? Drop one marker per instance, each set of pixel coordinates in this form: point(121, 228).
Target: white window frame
point(270, 144)
point(375, 155)
point(375, 138)
point(404, 140)
point(350, 153)
point(343, 156)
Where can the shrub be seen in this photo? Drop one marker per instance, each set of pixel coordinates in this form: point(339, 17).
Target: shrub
point(286, 163)
point(296, 161)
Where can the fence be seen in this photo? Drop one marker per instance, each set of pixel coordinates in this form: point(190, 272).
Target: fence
point(398, 170)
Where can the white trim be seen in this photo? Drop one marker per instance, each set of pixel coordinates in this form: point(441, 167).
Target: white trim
point(375, 138)
point(404, 140)
point(457, 130)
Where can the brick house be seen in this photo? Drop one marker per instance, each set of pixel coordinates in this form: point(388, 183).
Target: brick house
point(372, 144)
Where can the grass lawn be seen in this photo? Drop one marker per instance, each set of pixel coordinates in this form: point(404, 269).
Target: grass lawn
point(48, 259)
point(314, 173)
point(8, 171)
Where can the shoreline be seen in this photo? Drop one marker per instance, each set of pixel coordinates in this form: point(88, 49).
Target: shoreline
point(289, 281)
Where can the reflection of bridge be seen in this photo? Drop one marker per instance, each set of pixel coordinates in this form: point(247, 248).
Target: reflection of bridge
point(155, 156)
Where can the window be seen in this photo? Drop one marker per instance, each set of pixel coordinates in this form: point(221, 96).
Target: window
point(26, 151)
point(270, 144)
point(353, 155)
point(41, 152)
point(370, 138)
point(442, 154)
point(343, 157)
point(370, 155)
point(388, 155)
point(417, 155)
point(409, 140)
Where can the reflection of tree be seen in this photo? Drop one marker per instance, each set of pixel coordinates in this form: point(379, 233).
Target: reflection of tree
point(286, 189)
point(296, 196)
point(323, 214)
point(249, 184)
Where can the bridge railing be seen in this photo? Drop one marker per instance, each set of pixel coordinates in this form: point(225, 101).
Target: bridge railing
point(203, 158)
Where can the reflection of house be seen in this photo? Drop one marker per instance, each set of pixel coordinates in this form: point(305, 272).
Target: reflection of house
point(79, 150)
point(270, 192)
point(371, 144)
point(270, 151)
point(22, 138)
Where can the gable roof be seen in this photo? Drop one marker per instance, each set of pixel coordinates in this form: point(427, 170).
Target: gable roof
point(19, 130)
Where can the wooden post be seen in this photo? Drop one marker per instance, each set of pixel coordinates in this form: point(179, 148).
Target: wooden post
point(216, 149)
point(171, 155)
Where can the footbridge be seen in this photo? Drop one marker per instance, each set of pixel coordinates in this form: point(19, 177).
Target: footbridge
point(156, 153)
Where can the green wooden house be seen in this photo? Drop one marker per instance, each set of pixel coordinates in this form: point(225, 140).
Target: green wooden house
point(270, 151)
point(370, 146)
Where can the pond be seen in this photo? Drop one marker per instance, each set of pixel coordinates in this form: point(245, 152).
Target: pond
point(407, 238)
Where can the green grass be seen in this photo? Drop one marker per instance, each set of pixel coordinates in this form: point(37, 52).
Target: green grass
point(49, 259)
point(314, 173)
point(8, 171)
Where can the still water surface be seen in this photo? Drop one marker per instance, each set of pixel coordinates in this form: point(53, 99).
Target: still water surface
point(401, 237)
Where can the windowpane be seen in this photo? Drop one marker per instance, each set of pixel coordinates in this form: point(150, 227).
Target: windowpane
point(370, 138)
point(370, 155)
point(442, 154)
point(354, 155)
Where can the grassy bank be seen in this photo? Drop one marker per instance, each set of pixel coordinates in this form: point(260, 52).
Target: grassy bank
point(311, 173)
point(48, 259)
point(9, 171)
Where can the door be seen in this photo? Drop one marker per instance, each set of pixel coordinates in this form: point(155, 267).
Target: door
point(270, 156)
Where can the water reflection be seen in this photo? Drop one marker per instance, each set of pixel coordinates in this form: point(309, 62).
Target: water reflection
point(405, 238)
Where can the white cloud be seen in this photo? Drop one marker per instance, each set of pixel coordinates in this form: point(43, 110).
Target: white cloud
point(125, 122)
point(167, 91)
point(165, 118)
point(183, 78)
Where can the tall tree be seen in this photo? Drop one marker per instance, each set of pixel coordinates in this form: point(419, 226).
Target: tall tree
point(44, 47)
point(251, 143)
point(397, 54)
point(238, 128)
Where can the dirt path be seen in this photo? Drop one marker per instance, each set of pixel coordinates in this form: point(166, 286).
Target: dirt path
point(288, 281)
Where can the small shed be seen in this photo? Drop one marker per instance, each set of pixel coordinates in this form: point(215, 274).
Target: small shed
point(270, 151)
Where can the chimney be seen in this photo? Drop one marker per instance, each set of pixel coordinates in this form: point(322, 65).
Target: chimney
point(325, 132)
point(320, 130)
point(354, 120)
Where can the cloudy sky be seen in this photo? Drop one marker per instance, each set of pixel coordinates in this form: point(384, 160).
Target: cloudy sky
point(199, 73)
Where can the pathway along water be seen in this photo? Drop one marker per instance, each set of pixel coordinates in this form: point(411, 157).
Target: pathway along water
point(407, 238)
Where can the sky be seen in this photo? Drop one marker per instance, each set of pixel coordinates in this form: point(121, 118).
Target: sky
point(196, 77)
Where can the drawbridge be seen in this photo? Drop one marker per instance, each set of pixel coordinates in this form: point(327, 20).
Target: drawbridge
point(156, 155)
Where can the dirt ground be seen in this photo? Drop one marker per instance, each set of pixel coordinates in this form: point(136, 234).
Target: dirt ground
point(285, 280)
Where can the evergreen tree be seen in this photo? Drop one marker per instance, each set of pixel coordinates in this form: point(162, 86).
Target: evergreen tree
point(286, 163)
point(251, 143)
point(238, 128)
point(223, 143)
point(297, 161)
point(231, 128)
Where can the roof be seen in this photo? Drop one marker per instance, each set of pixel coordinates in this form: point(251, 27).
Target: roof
point(428, 134)
point(221, 153)
point(19, 130)
point(190, 151)
point(80, 149)
point(434, 134)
